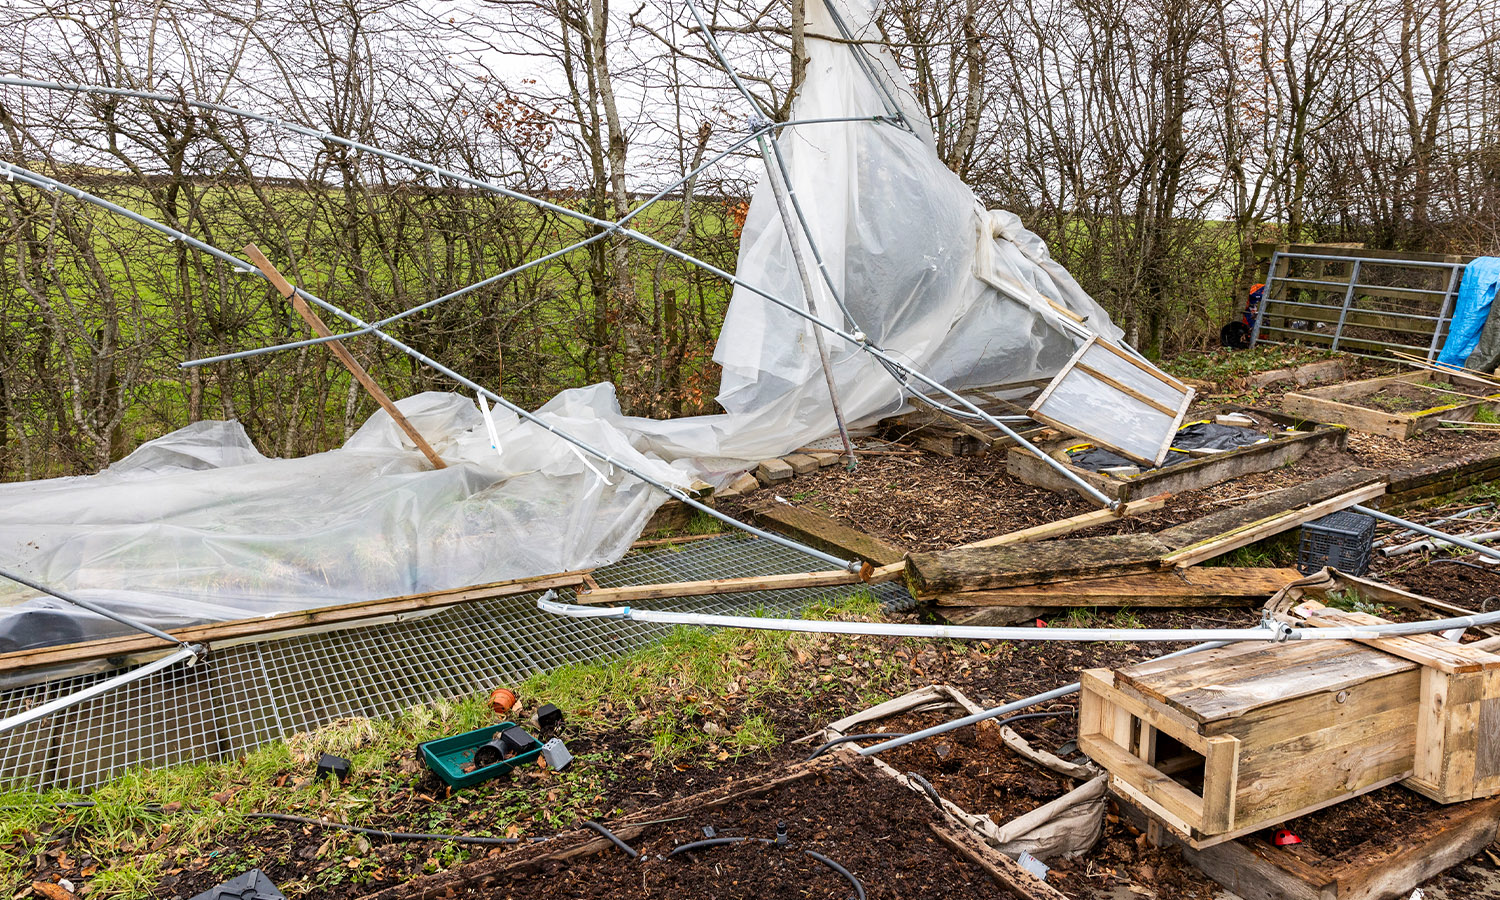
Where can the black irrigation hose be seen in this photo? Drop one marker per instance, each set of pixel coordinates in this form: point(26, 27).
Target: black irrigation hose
point(388, 835)
point(852, 737)
point(614, 839)
point(1036, 715)
point(859, 889)
point(713, 842)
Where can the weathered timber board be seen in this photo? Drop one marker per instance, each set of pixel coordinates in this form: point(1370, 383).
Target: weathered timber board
point(825, 533)
point(1444, 476)
point(1196, 586)
point(980, 568)
point(125, 649)
point(1231, 519)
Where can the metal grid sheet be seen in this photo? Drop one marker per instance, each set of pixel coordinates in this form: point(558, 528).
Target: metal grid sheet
point(242, 697)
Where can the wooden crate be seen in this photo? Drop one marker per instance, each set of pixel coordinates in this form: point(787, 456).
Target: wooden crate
point(1190, 475)
point(1236, 739)
point(1458, 713)
point(1340, 404)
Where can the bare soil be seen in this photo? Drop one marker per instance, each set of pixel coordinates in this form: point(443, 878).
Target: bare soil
point(873, 826)
point(923, 501)
point(973, 768)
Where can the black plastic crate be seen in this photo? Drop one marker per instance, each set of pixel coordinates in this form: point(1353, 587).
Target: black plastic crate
point(1340, 540)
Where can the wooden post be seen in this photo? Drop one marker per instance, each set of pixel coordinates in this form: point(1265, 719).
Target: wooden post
point(279, 282)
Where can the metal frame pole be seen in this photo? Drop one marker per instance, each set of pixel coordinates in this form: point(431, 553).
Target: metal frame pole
point(1348, 299)
point(1448, 297)
point(1491, 552)
point(1265, 298)
point(92, 607)
point(61, 703)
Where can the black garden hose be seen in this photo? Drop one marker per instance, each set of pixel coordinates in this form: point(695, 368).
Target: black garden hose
point(859, 889)
point(614, 839)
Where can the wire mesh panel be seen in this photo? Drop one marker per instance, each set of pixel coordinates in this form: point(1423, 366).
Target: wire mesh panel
point(241, 697)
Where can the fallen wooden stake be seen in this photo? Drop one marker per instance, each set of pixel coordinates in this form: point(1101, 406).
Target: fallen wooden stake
point(1071, 524)
point(132, 648)
point(286, 290)
point(1269, 527)
point(1198, 586)
point(717, 586)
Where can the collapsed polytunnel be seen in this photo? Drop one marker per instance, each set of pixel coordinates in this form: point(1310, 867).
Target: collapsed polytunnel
point(198, 526)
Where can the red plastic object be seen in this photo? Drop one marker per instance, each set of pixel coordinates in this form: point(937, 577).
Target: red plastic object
point(1040, 624)
point(1285, 838)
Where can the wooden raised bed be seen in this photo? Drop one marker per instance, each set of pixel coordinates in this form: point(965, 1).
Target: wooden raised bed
point(1192, 474)
point(1255, 869)
point(1356, 404)
point(529, 870)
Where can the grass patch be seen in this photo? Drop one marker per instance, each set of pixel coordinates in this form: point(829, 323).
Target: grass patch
point(698, 698)
point(1221, 366)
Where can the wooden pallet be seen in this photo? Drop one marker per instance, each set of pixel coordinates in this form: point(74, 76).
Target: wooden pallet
point(1340, 403)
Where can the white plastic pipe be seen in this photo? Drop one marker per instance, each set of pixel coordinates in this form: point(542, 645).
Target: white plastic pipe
point(1008, 708)
point(1266, 631)
point(898, 629)
point(103, 687)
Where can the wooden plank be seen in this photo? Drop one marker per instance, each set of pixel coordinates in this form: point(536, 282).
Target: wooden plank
point(951, 571)
point(1071, 524)
point(1234, 518)
point(1189, 475)
point(1272, 514)
point(1429, 650)
point(286, 290)
point(129, 647)
point(997, 865)
point(1197, 586)
point(825, 533)
point(633, 593)
point(1105, 684)
point(1185, 807)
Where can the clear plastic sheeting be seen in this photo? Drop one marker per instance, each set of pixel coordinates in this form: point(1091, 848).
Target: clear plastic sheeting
point(1117, 401)
point(198, 526)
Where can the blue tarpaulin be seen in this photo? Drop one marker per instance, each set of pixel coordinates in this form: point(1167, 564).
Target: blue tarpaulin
point(1475, 296)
